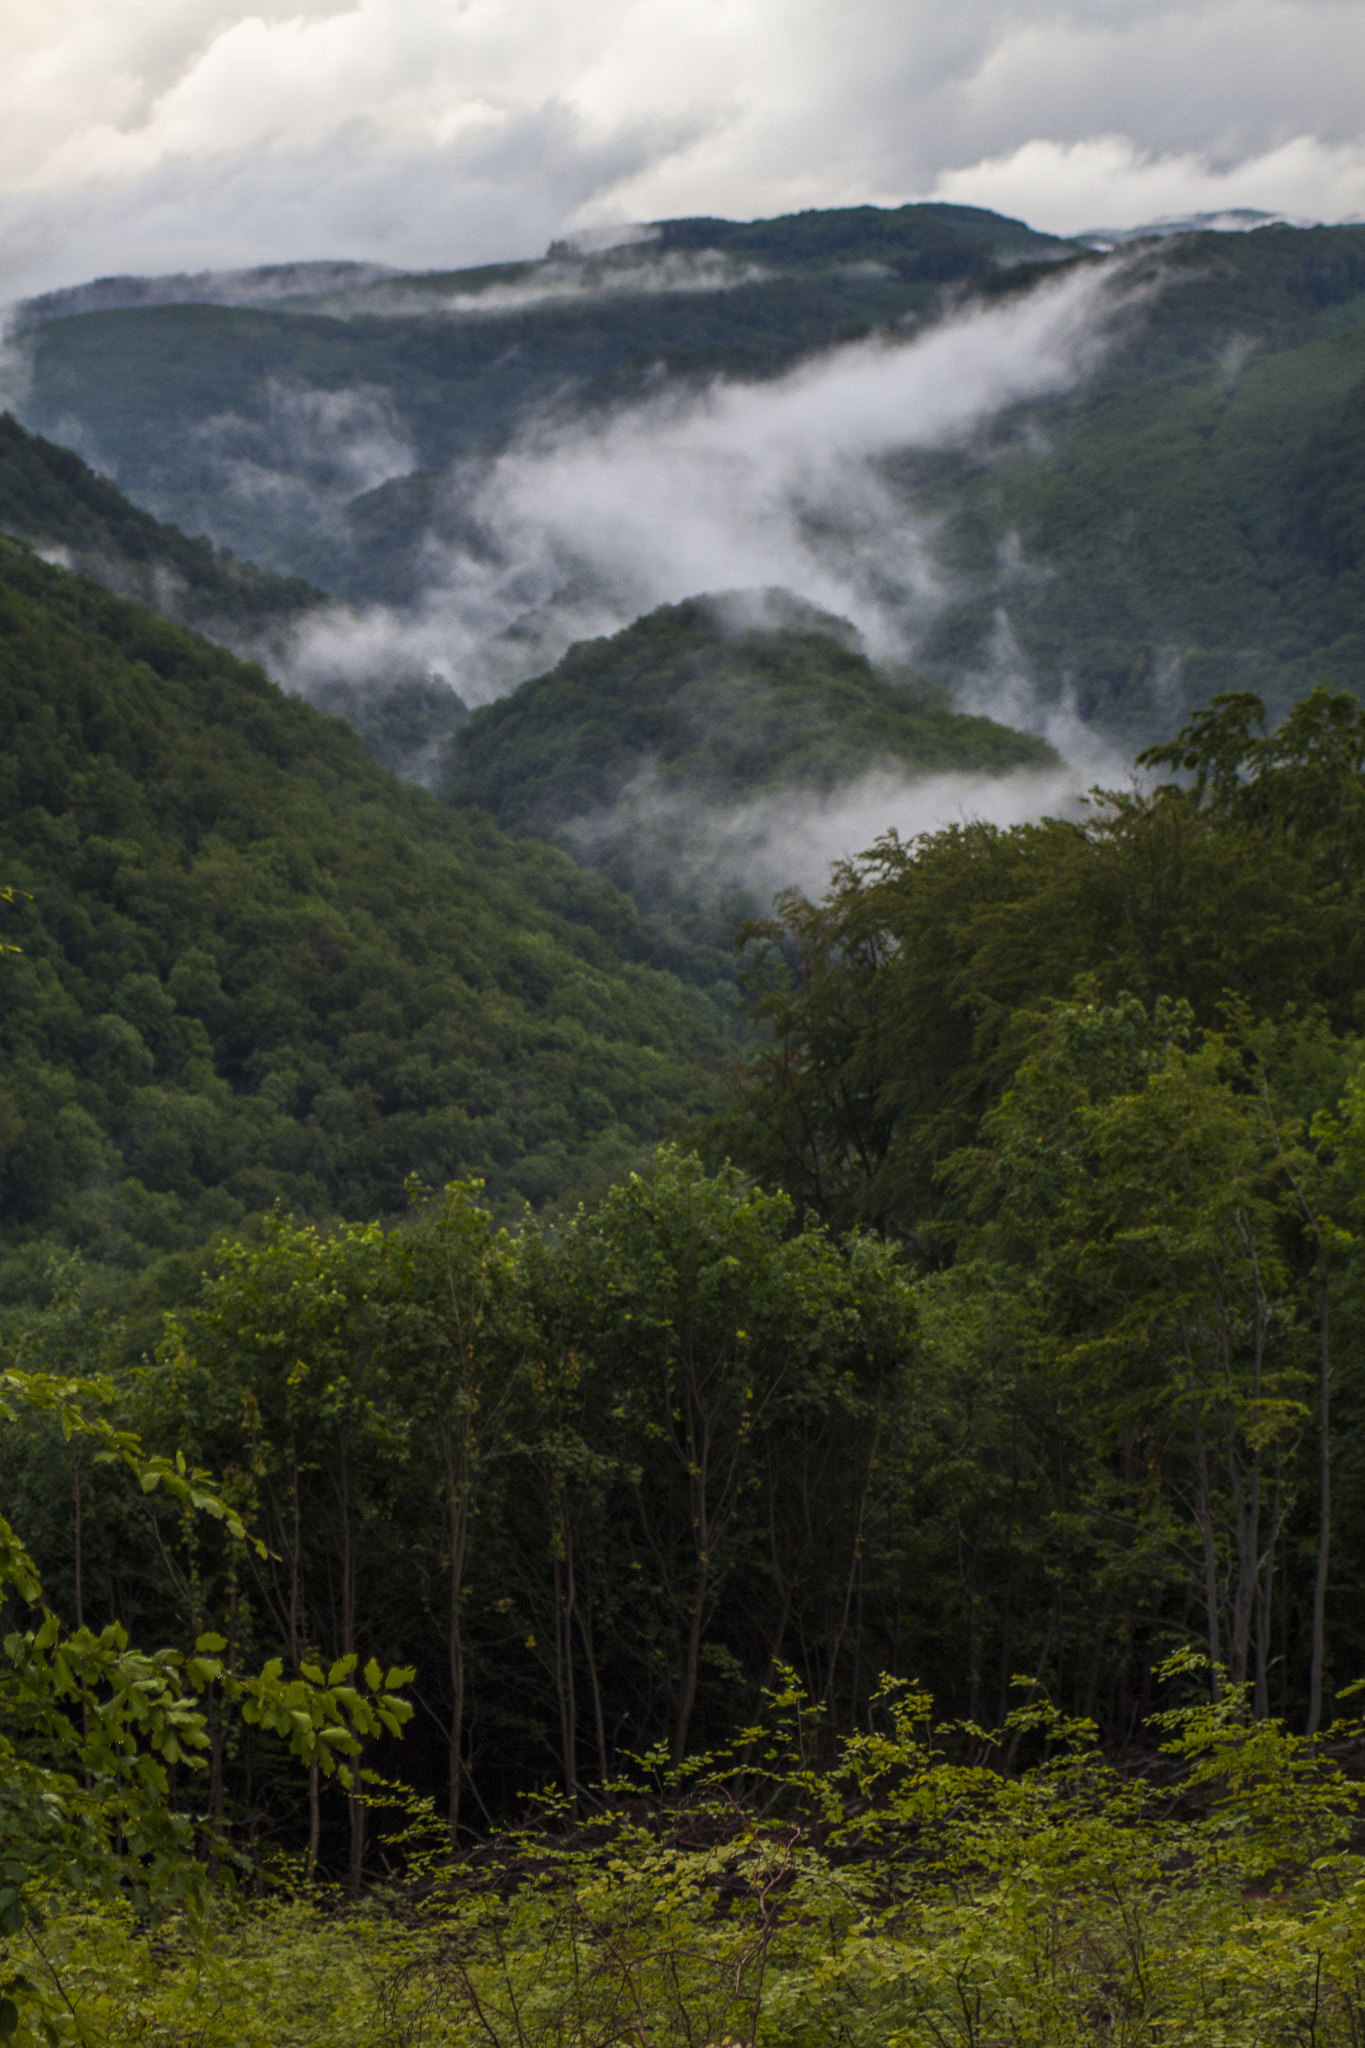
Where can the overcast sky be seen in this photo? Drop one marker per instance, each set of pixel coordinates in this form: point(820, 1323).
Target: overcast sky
point(158, 135)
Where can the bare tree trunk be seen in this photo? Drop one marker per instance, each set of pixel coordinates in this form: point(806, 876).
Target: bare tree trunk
point(1246, 1484)
point(356, 1808)
point(599, 1719)
point(1315, 1679)
point(77, 1533)
point(564, 1658)
point(455, 1448)
point(1204, 1512)
point(968, 1578)
point(355, 1800)
point(692, 1657)
point(853, 1581)
point(314, 1824)
point(699, 1469)
point(1246, 1502)
point(1265, 1603)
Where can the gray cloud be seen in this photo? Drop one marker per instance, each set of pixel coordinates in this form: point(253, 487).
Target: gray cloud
point(136, 137)
point(321, 447)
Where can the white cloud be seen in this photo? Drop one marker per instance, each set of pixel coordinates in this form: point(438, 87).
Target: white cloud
point(1107, 182)
point(136, 134)
point(792, 840)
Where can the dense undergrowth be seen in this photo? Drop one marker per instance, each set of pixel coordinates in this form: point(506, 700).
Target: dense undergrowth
point(921, 1888)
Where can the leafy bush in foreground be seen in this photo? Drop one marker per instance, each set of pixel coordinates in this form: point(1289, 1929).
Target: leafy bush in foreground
point(919, 1892)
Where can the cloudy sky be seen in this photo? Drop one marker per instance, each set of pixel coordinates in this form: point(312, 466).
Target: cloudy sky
point(157, 135)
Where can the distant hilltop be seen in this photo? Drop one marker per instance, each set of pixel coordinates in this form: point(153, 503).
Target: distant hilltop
point(1231, 220)
point(264, 285)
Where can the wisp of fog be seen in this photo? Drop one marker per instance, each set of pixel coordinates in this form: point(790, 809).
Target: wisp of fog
point(583, 523)
point(666, 840)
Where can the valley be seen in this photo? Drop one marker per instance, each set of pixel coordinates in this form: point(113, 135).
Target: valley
point(682, 1143)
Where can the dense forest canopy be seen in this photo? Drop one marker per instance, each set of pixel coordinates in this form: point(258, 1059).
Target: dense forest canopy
point(1026, 1363)
point(52, 499)
point(255, 967)
point(734, 695)
point(1089, 1392)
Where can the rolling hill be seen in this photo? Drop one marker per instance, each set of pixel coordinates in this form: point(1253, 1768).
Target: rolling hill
point(664, 752)
point(310, 432)
point(1181, 526)
point(79, 520)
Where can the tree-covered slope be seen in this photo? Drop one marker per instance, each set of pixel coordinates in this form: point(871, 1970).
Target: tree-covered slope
point(52, 499)
point(71, 515)
point(256, 967)
point(721, 702)
point(1155, 535)
point(667, 752)
point(1174, 530)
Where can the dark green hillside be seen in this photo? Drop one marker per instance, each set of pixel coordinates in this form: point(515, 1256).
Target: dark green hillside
point(923, 244)
point(1330, 485)
point(64, 509)
point(633, 749)
point(1150, 538)
point(719, 713)
point(256, 967)
point(49, 497)
point(1275, 288)
point(1186, 524)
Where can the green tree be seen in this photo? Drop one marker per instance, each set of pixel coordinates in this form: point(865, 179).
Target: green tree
point(1137, 1179)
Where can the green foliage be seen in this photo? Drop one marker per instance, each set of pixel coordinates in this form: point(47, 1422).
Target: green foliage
point(254, 967)
point(592, 1481)
point(91, 1730)
point(1102, 1077)
point(1244, 890)
point(908, 1892)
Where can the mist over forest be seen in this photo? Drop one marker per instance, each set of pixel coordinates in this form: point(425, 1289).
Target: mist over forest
point(682, 1141)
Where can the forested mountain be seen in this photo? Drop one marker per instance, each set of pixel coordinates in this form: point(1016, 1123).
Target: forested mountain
point(1184, 510)
point(660, 752)
point(71, 515)
point(53, 500)
point(356, 403)
point(256, 967)
point(1088, 1392)
point(1161, 532)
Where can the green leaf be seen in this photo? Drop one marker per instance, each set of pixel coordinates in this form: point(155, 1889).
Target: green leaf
point(9, 2019)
